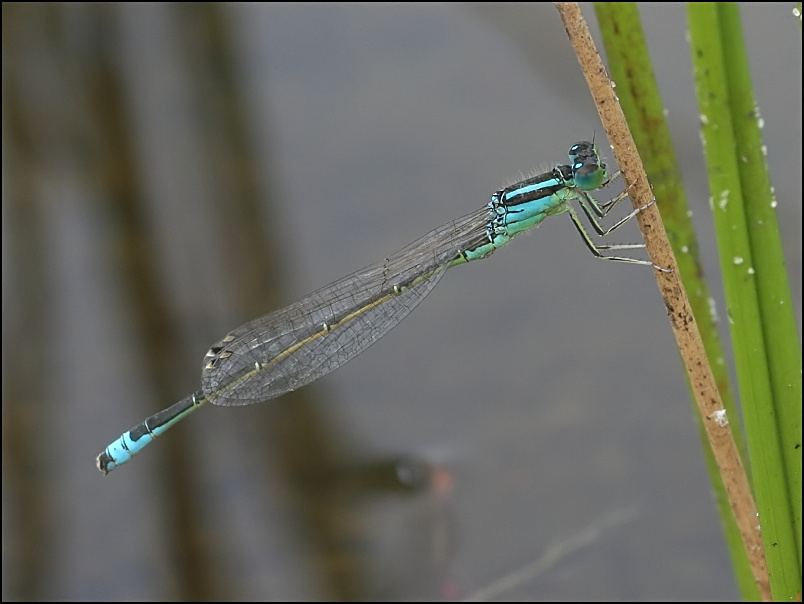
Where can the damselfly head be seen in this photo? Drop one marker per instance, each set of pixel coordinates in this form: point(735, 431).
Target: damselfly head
point(588, 170)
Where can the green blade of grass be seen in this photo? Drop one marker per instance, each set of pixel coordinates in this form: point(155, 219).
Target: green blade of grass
point(730, 132)
point(630, 65)
point(685, 330)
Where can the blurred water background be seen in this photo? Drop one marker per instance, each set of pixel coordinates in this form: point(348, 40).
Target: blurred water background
point(171, 171)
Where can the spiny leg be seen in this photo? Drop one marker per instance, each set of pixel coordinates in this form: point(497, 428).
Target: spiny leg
point(600, 209)
point(597, 250)
point(589, 205)
point(607, 206)
point(611, 179)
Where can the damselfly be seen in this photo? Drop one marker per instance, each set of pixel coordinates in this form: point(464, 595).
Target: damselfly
point(298, 344)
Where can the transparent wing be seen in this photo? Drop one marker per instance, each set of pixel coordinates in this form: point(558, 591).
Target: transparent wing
point(298, 344)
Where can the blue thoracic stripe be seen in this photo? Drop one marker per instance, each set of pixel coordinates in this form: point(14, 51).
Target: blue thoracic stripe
point(540, 187)
point(298, 344)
